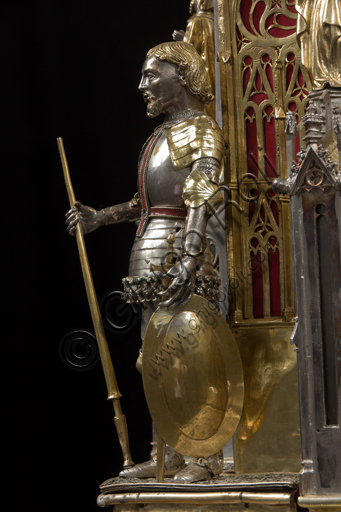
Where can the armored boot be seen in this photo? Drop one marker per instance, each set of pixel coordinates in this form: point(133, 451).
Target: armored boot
point(174, 462)
point(201, 469)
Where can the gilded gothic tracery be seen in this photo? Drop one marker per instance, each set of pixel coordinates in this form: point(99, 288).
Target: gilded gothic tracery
point(262, 77)
point(269, 80)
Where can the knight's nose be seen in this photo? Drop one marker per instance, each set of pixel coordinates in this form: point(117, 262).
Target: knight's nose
point(142, 85)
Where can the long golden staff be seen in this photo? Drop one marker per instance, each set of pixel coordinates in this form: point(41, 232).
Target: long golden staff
point(108, 369)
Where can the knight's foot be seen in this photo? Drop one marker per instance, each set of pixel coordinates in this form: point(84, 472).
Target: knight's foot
point(143, 470)
point(202, 469)
point(174, 462)
point(192, 473)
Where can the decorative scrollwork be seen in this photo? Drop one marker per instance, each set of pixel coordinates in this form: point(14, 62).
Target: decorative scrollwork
point(331, 165)
point(266, 19)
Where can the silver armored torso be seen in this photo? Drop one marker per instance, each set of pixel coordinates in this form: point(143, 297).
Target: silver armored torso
point(164, 189)
point(164, 184)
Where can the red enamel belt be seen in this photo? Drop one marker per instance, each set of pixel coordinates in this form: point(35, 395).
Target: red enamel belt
point(168, 211)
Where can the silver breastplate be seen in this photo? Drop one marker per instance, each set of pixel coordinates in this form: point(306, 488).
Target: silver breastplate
point(164, 184)
point(164, 188)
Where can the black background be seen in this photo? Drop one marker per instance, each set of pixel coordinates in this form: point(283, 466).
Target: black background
point(70, 69)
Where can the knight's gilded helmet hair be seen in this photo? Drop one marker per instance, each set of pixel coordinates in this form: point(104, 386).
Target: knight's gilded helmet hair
point(189, 64)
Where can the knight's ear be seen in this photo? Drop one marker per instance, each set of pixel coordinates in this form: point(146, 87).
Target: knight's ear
point(182, 80)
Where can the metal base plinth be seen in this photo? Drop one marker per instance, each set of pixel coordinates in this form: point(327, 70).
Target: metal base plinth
point(314, 502)
point(227, 492)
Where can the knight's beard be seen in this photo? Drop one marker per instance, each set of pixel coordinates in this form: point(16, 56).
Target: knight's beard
point(154, 105)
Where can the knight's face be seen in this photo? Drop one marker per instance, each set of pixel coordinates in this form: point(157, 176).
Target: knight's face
point(193, 6)
point(161, 86)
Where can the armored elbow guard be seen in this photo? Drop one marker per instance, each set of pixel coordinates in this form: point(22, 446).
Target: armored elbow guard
point(199, 190)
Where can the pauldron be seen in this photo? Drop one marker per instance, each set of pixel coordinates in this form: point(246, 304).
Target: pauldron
point(193, 139)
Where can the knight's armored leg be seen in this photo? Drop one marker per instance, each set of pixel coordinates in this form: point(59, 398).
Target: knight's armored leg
point(174, 462)
point(147, 311)
point(201, 469)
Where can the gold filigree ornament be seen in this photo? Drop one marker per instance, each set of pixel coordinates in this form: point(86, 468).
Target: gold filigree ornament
point(198, 189)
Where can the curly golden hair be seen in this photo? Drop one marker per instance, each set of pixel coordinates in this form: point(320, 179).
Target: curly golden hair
point(189, 64)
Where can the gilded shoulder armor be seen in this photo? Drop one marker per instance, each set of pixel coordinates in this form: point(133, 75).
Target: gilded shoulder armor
point(195, 138)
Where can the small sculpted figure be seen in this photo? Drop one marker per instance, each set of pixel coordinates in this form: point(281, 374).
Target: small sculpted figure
point(319, 36)
point(200, 33)
point(178, 176)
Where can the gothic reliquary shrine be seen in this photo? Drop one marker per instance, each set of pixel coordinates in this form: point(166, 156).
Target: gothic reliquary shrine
point(242, 371)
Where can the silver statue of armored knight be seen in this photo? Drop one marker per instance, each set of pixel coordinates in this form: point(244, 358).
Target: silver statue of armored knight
point(178, 176)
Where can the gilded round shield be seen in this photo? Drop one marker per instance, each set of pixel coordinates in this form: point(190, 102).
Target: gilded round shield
point(192, 377)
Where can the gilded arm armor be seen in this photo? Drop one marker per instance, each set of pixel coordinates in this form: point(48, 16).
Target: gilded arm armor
point(202, 197)
point(200, 143)
point(197, 143)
